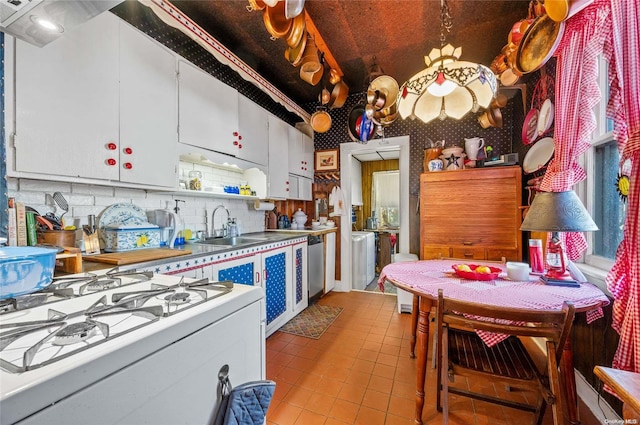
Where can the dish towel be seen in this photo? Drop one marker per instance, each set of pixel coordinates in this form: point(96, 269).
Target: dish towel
point(246, 404)
point(337, 201)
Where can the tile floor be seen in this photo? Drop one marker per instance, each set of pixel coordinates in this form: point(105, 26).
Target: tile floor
point(360, 372)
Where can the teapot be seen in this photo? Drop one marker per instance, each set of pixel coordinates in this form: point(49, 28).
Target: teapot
point(300, 218)
point(472, 146)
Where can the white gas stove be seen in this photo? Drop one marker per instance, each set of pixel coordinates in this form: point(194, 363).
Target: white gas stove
point(127, 348)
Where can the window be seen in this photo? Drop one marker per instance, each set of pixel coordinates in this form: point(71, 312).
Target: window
point(385, 198)
point(604, 202)
point(608, 210)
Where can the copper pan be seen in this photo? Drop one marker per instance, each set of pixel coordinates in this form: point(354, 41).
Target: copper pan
point(294, 54)
point(334, 76)
point(275, 21)
point(492, 117)
point(320, 120)
point(297, 30)
point(389, 85)
point(339, 95)
point(538, 44)
point(386, 116)
point(311, 69)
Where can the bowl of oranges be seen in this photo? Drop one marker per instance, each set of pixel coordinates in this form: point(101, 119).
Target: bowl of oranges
point(476, 272)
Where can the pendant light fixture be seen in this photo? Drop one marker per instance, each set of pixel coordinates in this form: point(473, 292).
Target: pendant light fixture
point(448, 87)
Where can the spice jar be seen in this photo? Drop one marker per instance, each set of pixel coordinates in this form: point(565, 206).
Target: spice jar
point(195, 180)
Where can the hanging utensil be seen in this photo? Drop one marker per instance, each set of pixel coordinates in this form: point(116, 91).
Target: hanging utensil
point(61, 202)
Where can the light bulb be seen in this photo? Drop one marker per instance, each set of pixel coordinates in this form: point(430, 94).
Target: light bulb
point(46, 24)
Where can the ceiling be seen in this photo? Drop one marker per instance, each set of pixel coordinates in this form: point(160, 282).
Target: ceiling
point(395, 34)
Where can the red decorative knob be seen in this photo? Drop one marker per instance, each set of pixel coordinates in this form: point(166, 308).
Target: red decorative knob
point(235, 143)
point(112, 146)
point(128, 165)
point(111, 161)
point(235, 133)
point(240, 146)
point(128, 151)
point(239, 137)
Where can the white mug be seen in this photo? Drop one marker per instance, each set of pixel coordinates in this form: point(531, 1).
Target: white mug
point(472, 146)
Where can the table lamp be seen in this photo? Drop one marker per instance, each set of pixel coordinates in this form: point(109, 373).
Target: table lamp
point(557, 212)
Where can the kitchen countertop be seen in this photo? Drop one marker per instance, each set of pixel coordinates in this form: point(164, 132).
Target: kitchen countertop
point(200, 249)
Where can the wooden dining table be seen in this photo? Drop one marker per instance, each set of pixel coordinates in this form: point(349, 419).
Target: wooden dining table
point(425, 278)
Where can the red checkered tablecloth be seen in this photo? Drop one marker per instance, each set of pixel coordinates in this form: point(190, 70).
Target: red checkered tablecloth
point(427, 277)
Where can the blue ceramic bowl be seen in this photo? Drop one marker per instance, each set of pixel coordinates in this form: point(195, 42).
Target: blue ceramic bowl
point(24, 270)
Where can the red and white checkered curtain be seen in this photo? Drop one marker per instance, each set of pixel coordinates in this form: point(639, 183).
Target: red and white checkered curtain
point(622, 50)
point(576, 94)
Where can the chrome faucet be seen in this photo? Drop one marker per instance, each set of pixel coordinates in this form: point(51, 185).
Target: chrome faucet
point(219, 233)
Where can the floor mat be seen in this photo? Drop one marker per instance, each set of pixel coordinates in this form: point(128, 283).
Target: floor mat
point(313, 321)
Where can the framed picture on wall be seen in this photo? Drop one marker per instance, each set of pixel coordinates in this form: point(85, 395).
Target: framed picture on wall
point(327, 160)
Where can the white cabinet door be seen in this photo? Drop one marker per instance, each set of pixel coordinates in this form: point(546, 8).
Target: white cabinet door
point(300, 153)
point(300, 188)
point(307, 155)
point(254, 132)
point(67, 103)
point(148, 111)
point(277, 186)
point(207, 111)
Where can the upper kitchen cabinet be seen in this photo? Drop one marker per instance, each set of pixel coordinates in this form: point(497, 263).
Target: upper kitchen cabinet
point(66, 103)
point(148, 111)
point(254, 132)
point(213, 116)
point(207, 111)
point(278, 178)
point(98, 103)
point(300, 153)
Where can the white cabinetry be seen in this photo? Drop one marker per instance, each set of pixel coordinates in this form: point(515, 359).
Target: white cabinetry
point(148, 111)
point(278, 177)
point(254, 132)
point(300, 153)
point(98, 103)
point(207, 111)
point(300, 188)
point(67, 103)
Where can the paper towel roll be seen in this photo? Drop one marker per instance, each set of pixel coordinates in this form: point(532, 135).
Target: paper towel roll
point(263, 206)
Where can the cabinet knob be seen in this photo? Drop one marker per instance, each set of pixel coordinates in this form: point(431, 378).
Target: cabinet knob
point(240, 146)
point(128, 151)
point(235, 133)
point(235, 143)
point(111, 161)
point(128, 165)
point(112, 146)
point(240, 137)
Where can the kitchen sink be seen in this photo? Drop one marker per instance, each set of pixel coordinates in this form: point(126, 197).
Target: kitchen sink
point(231, 241)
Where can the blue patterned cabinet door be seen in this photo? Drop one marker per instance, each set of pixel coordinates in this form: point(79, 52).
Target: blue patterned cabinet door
point(244, 271)
point(276, 285)
point(299, 291)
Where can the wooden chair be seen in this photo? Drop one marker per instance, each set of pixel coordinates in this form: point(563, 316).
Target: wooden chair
point(462, 352)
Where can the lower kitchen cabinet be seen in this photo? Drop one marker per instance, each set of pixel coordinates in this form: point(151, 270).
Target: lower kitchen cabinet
point(278, 283)
point(246, 271)
point(300, 291)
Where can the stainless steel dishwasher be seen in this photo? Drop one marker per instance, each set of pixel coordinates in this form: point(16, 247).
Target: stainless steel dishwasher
point(315, 258)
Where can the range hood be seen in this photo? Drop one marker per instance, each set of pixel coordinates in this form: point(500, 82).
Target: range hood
point(21, 18)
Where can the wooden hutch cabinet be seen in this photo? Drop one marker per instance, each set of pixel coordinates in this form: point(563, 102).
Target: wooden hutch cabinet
point(472, 214)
